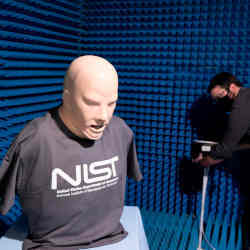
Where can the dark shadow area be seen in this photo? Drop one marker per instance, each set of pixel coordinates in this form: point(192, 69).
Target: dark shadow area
point(208, 122)
point(19, 230)
point(190, 176)
point(208, 119)
point(3, 228)
point(239, 167)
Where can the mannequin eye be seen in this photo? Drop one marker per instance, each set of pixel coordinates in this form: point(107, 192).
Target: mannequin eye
point(112, 104)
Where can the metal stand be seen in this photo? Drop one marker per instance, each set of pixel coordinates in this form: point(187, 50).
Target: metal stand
point(204, 189)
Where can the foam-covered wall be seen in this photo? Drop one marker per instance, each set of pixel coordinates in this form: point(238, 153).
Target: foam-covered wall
point(38, 39)
point(165, 53)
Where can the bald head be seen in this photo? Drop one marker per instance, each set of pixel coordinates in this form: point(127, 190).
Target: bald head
point(90, 95)
point(85, 70)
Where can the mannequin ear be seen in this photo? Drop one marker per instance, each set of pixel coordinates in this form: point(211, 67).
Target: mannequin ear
point(66, 92)
point(65, 96)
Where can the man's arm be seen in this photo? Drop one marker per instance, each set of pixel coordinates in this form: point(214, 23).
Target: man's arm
point(238, 125)
point(206, 161)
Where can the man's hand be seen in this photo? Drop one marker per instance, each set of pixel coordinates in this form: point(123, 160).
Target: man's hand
point(206, 161)
point(209, 161)
point(198, 158)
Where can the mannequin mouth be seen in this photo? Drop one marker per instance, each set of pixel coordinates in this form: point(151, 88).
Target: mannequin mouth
point(97, 127)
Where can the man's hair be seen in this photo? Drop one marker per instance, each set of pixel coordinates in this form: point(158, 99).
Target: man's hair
point(223, 79)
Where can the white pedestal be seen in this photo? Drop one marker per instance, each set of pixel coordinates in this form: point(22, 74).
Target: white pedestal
point(131, 220)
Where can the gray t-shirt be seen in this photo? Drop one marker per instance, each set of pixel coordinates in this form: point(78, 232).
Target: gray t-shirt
point(71, 189)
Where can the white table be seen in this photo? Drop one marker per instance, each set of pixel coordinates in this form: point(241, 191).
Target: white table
point(131, 220)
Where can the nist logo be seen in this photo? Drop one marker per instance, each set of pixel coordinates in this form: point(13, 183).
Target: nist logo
point(82, 173)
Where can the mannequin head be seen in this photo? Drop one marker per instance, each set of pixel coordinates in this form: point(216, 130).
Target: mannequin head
point(89, 97)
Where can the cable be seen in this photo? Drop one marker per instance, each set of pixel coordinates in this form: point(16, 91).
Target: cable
point(210, 245)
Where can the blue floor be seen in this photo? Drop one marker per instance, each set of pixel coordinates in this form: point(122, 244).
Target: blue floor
point(173, 232)
point(166, 232)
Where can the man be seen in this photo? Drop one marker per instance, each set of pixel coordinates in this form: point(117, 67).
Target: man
point(228, 91)
point(69, 167)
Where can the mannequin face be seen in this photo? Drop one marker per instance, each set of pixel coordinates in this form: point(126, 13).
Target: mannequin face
point(92, 100)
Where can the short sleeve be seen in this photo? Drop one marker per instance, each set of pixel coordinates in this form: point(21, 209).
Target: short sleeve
point(133, 170)
point(8, 178)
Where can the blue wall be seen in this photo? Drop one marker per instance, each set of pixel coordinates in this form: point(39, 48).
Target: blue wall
point(165, 53)
point(38, 40)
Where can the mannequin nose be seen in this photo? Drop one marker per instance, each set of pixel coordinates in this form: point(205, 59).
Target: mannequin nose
point(103, 115)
